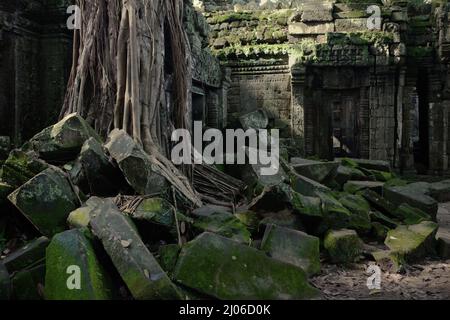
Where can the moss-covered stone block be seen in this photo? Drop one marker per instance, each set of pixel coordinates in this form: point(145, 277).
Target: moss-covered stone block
point(224, 269)
point(294, 247)
point(360, 212)
point(74, 249)
point(5, 190)
point(414, 242)
point(64, 140)
point(46, 201)
point(138, 268)
point(354, 187)
point(379, 231)
point(388, 261)
point(168, 256)
point(28, 255)
point(20, 167)
point(410, 215)
point(343, 246)
point(134, 163)
point(415, 195)
point(315, 170)
point(224, 224)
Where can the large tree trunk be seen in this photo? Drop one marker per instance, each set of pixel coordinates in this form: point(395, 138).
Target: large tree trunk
point(118, 76)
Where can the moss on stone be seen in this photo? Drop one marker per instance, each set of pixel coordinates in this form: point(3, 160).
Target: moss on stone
point(343, 246)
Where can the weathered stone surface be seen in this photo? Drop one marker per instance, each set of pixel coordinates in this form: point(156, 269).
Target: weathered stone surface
point(5, 147)
point(224, 224)
point(74, 248)
point(380, 231)
point(134, 163)
point(378, 202)
point(356, 186)
point(250, 274)
point(351, 25)
point(360, 212)
point(309, 206)
point(28, 255)
point(63, 141)
point(318, 12)
point(300, 28)
point(345, 174)
point(294, 247)
point(285, 218)
point(81, 217)
point(168, 256)
point(27, 283)
point(414, 242)
point(46, 200)
point(335, 215)
point(410, 215)
point(134, 262)
point(255, 120)
point(415, 196)
point(440, 191)
point(94, 173)
point(315, 170)
point(306, 186)
point(388, 261)
point(20, 167)
point(367, 164)
point(5, 283)
point(343, 246)
point(249, 218)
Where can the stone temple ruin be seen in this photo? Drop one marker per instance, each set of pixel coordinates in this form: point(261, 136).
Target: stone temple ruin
point(360, 91)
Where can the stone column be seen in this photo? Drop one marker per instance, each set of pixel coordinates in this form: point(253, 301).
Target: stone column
point(298, 106)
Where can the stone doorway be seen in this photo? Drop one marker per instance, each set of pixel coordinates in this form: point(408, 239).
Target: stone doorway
point(422, 124)
point(198, 107)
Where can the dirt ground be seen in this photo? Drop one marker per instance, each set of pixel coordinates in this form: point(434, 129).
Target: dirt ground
point(429, 280)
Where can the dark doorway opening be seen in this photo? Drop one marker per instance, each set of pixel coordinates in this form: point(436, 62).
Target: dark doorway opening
point(422, 144)
point(198, 107)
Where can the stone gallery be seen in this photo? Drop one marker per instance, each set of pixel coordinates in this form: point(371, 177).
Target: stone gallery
point(350, 99)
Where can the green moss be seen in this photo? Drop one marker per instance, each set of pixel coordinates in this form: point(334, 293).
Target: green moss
point(343, 246)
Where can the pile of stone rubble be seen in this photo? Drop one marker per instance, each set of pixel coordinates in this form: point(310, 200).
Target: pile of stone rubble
point(107, 226)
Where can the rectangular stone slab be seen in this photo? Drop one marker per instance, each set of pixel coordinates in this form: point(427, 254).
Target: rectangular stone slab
point(414, 196)
point(46, 201)
point(134, 262)
point(292, 246)
point(75, 248)
point(29, 254)
point(224, 269)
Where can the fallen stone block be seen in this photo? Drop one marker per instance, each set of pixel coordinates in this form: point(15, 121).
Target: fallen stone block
point(345, 174)
point(318, 12)
point(377, 165)
point(224, 269)
point(440, 191)
point(343, 246)
point(168, 256)
point(415, 196)
point(81, 217)
point(5, 284)
point(63, 141)
point(94, 173)
point(249, 218)
point(379, 203)
point(380, 231)
point(388, 261)
point(380, 217)
point(224, 224)
point(294, 247)
point(443, 238)
point(354, 187)
point(285, 218)
point(306, 186)
point(135, 164)
point(335, 215)
point(360, 212)
point(20, 167)
point(255, 120)
point(27, 284)
point(413, 243)
point(30, 254)
point(71, 253)
point(410, 215)
point(315, 170)
point(138, 268)
point(46, 201)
